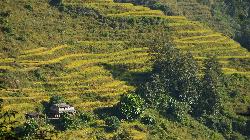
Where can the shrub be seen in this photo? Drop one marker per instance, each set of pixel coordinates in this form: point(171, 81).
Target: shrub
point(122, 135)
point(237, 136)
point(210, 100)
point(30, 127)
point(155, 93)
point(113, 123)
point(218, 122)
point(177, 110)
point(28, 7)
point(68, 121)
point(35, 129)
point(148, 120)
point(131, 106)
point(38, 73)
point(240, 125)
point(85, 117)
point(7, 29)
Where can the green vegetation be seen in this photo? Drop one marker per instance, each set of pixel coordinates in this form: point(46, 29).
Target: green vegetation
point(56, 100)
point(124, 67)
point(230, 17)
point(207, 105)
point(131, 106)
point(113, 123)
point(68, 122)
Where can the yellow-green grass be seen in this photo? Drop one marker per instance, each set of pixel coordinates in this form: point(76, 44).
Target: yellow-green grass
point(224, 57)
point(103, 58)
point(87, 1)
point(205, 48)
point(90, 106)
point(137, 134)
point(7, 68)
point(111, 8)
point(85, 73)
point(21, 107)
point(36, 50)
point(141, 13)
point(89, 58)
point(42, 51)
point(158, 16)
point(85, 46)
point(80, 46)
point(11, 100)
point(200, 38)
point(191, 33)
point(83, 134)
point(7, 60)
point(22, 93)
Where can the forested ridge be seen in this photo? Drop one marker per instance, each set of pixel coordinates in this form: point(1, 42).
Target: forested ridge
point(131, 69)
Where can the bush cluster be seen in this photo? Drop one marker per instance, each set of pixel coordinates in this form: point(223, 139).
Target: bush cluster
point(113, 123)
point(148, 120)
point(68, 121)
point(131, 106)
point(177, 110)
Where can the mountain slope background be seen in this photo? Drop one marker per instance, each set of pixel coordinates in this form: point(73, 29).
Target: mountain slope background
point(230, 17)
point(91, 52)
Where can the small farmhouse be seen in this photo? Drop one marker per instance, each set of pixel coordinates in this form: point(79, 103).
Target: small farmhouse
point(60, 108)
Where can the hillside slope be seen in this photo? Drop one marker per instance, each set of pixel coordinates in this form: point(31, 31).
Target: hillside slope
point(230, 17)
point(93, 51)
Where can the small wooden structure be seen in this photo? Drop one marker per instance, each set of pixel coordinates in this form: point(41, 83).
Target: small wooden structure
point(57, 109)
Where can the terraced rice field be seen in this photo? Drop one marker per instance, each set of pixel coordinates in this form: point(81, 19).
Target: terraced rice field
point(87, 70)
point(190, 8)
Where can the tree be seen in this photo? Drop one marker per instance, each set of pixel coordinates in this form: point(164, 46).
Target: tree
point(35, 129)
point(174, 74)
point(30, 128)
point(213, 87)
point(113, 123)
point(131, 106)
point(155, 91)
point(6, 125)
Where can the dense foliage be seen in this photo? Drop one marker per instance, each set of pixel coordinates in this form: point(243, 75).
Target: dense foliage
point(113, 123)
point(174, 85)
point(170, 92)
point(213, 88)
point(68, 121)
point(131, 106)
point(235, 14)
